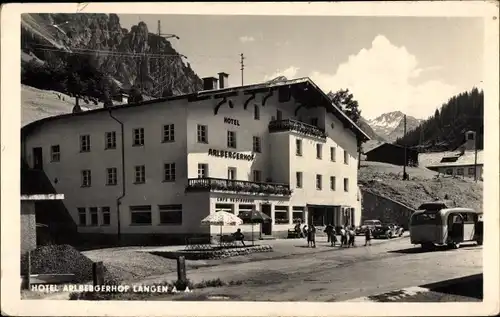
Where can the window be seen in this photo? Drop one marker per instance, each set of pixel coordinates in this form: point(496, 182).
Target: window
point(460, 171)
point(140, 174)
point(231, 173)
point(110, 140)
point(425, 218)
point(297, 214)
point(202, 132)
point(257, 176)
point(470, 171)
point(86, 178)
point(314, 122)
point(231, 139)
point(346, 184)
point(449, 171)
point(279, 115)
point(106, 216)
point(138, 137)
point(85, 143)
point(256, 144)
point(298, 179)
point(319, 182)
point(319, 151)
point(111, 178)
point(202, 170)
point(346, 157)
point(94, 216)
point(140, 215)
point(170, 214)
point(332, 182)
point(281, 215)
point(168, 133)
point(55, 153)
point(298, 147)
point(333, 154)
point(256, 112)
point(82, 217)
point(169, 172)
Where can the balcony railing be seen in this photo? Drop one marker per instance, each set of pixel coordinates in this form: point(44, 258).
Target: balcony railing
point(296, 126)
point(227, 185)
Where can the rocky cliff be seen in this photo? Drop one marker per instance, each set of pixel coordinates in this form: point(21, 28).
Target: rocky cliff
point(134, 57)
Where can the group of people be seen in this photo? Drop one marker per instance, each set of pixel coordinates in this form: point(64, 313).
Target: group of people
point(347, 235)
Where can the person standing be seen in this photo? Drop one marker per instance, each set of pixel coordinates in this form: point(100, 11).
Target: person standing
point(343, 233)
point(328, 230)
point(368, 236)
point(352, 236)
point(311, 236)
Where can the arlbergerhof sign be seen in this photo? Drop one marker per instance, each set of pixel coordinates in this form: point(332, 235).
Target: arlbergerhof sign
point(231, 155)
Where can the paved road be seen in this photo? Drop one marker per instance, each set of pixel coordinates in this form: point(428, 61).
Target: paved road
point(338, 274)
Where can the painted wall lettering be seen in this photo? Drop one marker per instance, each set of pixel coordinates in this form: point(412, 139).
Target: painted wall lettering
point(235, 200)
point(231, 121)
point(231, 155)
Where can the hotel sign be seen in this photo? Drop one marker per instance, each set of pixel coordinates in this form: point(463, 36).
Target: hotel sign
point(231, 121)
point(231, 155)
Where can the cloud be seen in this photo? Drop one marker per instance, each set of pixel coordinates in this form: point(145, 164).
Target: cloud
point(289, 73)
point(386, 78)
point(246, 39)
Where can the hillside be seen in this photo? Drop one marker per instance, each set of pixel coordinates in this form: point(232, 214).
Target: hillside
point(444, 131)
point(37, 104)
point(128, 58)
point(386, 180)
point(390, 126)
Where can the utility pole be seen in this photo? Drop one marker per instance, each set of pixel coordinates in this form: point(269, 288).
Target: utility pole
point(242, 66)
point(404, 166)
point(476, 139)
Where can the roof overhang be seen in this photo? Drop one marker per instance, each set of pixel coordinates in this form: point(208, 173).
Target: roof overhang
point(36, 197)
point(305, 84)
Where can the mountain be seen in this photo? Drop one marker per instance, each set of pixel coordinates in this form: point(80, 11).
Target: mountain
point(445, 130)
point(365, 126)
point(390, 126)
point(127, 58)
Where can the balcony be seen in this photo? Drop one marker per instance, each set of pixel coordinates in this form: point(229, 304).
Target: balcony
point(296, 126)
point(236, 186)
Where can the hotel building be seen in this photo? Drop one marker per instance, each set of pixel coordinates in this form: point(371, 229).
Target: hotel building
point(158, 167)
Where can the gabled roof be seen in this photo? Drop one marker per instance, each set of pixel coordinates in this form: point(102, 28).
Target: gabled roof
point(451, 159)
point(218, 93)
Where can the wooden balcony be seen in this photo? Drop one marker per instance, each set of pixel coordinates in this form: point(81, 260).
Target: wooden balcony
point(296, 126)
point(237, 186)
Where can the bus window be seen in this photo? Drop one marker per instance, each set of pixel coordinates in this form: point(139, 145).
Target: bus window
point(425, 219)
point(469, 217)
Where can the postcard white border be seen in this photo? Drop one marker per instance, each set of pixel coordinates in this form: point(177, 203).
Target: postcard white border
point(10, 163)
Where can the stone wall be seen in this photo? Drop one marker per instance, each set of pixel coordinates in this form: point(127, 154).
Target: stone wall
point(384, 209)
point(28, 226)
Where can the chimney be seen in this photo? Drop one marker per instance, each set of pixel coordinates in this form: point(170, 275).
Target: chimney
point(223, 80)
point(209, 83)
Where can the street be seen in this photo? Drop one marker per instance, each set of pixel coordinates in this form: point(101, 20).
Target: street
point(339, 274)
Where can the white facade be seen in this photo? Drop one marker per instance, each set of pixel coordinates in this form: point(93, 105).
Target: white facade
point(173, 208)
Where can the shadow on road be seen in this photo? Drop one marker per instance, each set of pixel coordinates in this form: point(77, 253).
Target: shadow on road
point(468, 286)
point(418, 249)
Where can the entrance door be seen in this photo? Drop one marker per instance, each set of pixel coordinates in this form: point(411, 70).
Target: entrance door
point(267, 226)
point(38, 158)
point(457, 228)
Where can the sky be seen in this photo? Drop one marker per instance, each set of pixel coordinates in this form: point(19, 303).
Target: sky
point(411, 64)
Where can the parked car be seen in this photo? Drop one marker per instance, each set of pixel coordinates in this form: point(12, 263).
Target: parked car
point(388, 231)
point(367, 224)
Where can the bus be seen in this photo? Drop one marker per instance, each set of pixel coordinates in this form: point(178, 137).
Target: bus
point(437, 224)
